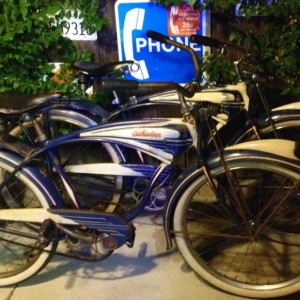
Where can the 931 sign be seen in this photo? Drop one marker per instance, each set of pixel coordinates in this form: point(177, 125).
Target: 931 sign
point(73, 30)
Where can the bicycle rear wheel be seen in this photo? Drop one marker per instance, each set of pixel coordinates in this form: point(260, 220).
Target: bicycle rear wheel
point(249, 245)
point(21, 256)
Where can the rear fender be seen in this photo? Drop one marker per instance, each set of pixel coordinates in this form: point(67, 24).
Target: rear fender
point(14, 145)
point(83, 106)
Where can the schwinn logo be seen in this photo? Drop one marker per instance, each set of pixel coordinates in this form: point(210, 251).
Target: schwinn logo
point(145, 133)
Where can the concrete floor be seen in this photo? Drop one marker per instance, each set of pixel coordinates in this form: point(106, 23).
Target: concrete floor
point(144, 272)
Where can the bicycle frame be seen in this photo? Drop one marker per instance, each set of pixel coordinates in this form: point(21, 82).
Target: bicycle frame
point(163, 139)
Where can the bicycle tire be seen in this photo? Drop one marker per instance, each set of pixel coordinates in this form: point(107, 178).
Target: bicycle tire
point(231, 252)
point(20, 259)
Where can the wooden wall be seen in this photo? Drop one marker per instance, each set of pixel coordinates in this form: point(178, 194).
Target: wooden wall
point(105, 49)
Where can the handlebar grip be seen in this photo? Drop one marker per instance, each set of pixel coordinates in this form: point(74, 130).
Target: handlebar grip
point(204, 40)
point(192, 88)
point(119, 84)
point(211, 42)
point(158, 36)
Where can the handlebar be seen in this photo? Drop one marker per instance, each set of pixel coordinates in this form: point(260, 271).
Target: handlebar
point(214, 43)
point(124, 84)
point(204, 40)
point(251, 43)
point(189, 90)
point(119, 84)
point(166, 40)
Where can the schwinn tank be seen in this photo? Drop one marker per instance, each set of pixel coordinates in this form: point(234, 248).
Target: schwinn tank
point(147, 136)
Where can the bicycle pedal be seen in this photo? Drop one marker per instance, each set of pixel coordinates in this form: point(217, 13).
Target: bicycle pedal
point(46, 233)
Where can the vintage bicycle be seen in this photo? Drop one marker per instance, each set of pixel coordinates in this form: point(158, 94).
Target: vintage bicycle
point(233, 214)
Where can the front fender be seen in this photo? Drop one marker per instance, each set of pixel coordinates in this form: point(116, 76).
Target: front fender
point(42, 183)
point(276, 151)
point(280, 114)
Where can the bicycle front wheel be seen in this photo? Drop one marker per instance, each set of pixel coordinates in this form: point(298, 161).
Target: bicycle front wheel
point(244, 238)
point(20, 255)
point(59, 122)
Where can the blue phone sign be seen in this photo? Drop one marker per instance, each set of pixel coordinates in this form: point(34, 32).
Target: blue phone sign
point(156, 61)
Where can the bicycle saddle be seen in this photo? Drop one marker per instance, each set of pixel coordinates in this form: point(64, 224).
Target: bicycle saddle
point(17, 103)
point(101, 70)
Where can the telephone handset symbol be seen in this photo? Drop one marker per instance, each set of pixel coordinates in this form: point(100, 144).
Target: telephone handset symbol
point(173, 15)
point(134, 20)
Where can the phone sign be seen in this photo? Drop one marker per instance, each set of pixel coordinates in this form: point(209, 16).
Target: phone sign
point(156, 61)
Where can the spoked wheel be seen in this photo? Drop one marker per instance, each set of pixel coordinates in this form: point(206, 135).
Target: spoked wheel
point(248, 244)
point(20, 254)
point(101, 193)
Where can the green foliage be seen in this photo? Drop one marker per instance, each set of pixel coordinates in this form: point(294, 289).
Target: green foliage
point(168, 2)
point(29, 40)
point(278, 41)
point(280, 45)
point(212, 4)
point(220, 71)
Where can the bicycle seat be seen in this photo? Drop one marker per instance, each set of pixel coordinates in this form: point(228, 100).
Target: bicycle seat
point(101, 70)
point(17, 103)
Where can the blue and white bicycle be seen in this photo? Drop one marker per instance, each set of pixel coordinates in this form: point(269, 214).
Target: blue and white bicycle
point(234, 214)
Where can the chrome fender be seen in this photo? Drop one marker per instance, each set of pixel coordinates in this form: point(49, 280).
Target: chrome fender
point(274, 150)
point(282, 113)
